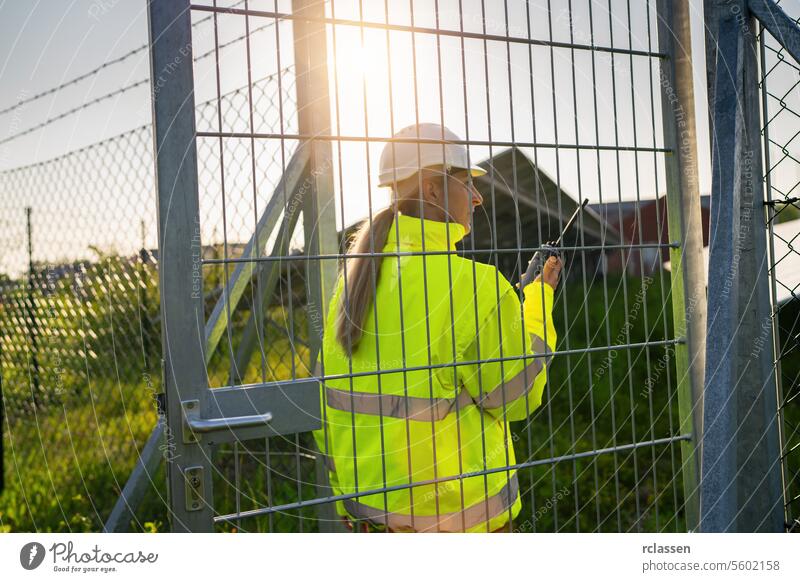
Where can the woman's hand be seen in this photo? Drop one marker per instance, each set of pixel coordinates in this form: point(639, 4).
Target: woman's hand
point(551, 272)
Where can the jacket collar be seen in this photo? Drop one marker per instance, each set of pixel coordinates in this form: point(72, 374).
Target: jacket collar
point(436, 234)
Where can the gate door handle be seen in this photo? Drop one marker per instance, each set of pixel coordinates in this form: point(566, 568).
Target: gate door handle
point(193, 424)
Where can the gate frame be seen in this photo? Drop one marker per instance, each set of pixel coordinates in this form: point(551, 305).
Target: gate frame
point(179, 266)
point(198, 417)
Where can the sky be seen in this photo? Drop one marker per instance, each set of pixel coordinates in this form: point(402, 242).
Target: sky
point(44, 43)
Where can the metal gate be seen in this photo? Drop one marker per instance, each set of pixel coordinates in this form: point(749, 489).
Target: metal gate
point(244, 298)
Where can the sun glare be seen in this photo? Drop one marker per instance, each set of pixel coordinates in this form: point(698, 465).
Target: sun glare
point(356, 61)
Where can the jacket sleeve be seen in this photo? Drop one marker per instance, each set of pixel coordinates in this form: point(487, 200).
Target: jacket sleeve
point(511, 389)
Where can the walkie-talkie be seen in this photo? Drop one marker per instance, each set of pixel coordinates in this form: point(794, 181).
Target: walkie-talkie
point(549, 249)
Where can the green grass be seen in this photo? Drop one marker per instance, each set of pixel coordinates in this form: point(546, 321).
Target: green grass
point(66, 464)
point(64, 468)
point(603, 399)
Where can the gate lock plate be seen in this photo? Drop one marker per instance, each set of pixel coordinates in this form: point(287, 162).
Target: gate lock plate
point(194, 488)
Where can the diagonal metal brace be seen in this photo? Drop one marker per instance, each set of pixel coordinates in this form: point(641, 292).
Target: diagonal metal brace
point(235, 287)
point(778, 23)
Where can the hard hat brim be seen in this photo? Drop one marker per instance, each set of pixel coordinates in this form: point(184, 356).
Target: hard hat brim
point(475, 171)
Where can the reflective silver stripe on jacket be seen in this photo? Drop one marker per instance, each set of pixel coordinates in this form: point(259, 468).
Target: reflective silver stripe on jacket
point(456, 521)
point(520, 384)
point(396, 406)
point(427, 409)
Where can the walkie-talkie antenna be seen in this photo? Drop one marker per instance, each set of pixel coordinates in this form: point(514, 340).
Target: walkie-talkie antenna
point(550, 249)
point(571, 221)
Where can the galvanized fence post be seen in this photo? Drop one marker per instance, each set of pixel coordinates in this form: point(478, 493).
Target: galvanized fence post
point(314, 120)
point(741, 482)
point(685, 227)
point(180, 271)
point(319, 216)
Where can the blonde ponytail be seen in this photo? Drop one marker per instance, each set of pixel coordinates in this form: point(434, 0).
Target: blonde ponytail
point(362, 274)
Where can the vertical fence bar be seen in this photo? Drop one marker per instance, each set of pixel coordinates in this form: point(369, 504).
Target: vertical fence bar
point(180, 272)
point(313, 113)
point(685, 226)
point(741, 484)
point(30, 315)
point(776, 336)
point(319, 216)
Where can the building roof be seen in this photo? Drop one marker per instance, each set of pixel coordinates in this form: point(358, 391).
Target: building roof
point(540, 209)
point(516, 192)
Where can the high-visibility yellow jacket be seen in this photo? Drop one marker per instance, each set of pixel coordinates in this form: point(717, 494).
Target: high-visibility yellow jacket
point(443, 365)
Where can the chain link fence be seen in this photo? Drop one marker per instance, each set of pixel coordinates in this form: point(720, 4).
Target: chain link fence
point(79, 330)
point(80, 337)
point(781, 128)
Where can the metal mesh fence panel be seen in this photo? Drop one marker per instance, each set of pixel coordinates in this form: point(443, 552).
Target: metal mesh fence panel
point(80, 309)
point(603, 451)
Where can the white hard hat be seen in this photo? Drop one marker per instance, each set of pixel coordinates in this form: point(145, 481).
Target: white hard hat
point(401, 160)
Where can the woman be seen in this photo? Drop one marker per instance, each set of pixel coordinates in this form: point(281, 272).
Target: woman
point(426, 355)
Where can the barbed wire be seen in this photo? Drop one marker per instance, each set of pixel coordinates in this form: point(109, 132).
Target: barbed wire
point(93, 234)
point(72, 111)
point(95, 71)
point(74, 81)
point(114, 93)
